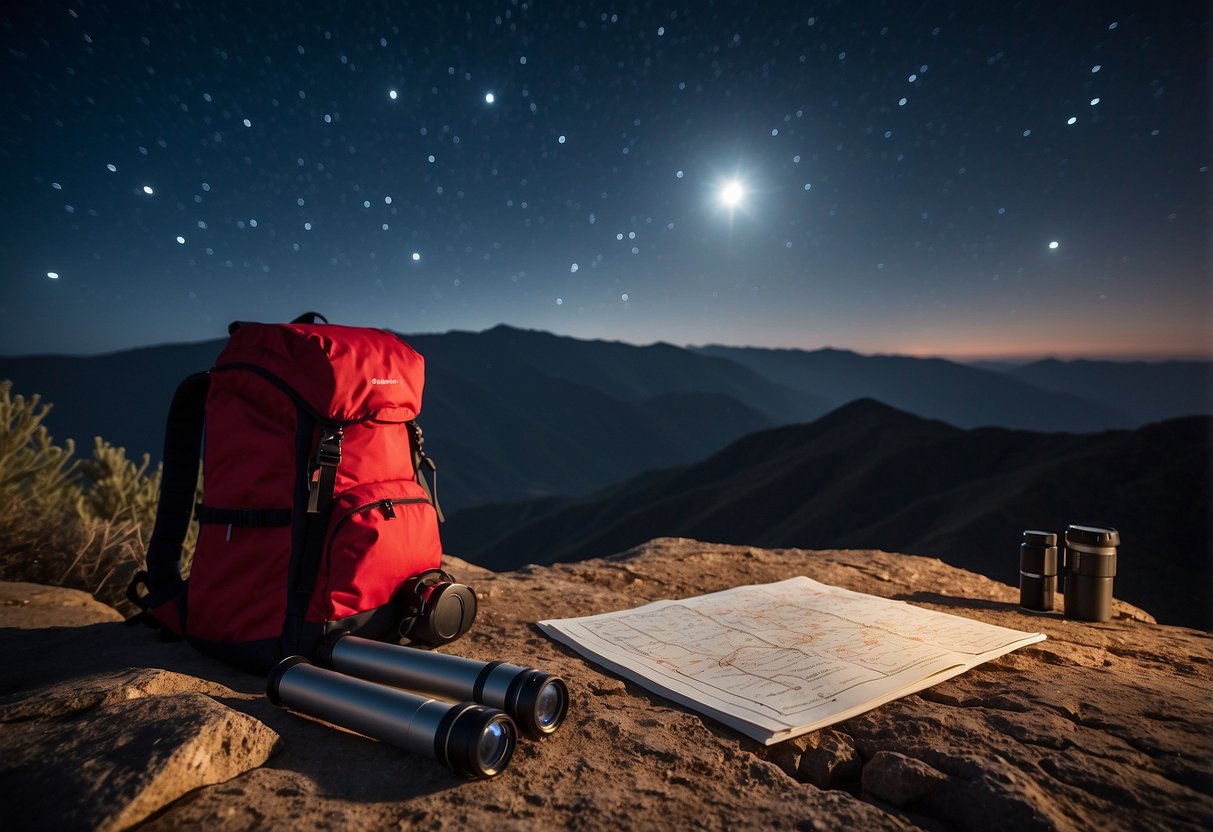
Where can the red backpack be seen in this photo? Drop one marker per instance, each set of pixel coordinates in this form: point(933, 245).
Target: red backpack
point(315, 518)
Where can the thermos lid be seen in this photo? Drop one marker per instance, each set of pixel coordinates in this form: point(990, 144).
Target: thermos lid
point(1092, 535)
point(1039, 538)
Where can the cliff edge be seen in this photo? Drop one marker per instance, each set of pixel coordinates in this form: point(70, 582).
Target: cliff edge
point(1104, 726)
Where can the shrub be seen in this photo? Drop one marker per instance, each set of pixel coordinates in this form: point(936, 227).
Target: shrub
point(38, 490)
point(117, 490)
point(75, 523)
point(33, 469)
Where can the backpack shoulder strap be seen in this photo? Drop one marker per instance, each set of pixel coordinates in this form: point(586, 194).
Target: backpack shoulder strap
point(182, 453)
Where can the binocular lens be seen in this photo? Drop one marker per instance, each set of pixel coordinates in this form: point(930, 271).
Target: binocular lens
point(537, 700)
point(495, 746)
point(550, 707)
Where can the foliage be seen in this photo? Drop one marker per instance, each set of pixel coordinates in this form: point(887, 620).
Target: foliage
point(79, 523)
point(118, 491)
point(36, 475)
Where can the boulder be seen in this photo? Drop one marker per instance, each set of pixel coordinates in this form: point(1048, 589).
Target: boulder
point(29, 606)
point(117, 759)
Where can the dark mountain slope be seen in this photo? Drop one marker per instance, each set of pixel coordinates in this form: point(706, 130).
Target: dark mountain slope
point(542, 436)
point(121, 396)
point(1147, 391)
point(869, 476)
point(619, 370)
point(508, 414)
point(514, 414)
point(958, 394)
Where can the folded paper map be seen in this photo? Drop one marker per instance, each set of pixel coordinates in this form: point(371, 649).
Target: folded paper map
point(777, 660)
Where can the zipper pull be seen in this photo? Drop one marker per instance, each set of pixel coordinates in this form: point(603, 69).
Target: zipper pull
point(389, 512)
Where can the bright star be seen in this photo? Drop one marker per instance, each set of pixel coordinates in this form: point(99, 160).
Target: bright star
point(489, 98)
point(732, 193)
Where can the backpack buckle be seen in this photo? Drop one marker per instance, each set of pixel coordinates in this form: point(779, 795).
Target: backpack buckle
point(323, 475)
point(329, 450)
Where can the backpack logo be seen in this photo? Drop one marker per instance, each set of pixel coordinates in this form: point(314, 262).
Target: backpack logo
point(385, 381)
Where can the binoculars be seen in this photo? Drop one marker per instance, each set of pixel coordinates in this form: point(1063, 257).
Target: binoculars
point(466, 714)
point(1088, 565)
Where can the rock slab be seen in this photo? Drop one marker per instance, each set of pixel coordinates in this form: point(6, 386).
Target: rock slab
point(131, 745)
point(32, 606)
point(1102, 726)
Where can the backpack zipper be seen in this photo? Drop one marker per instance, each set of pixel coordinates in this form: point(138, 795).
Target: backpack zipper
point(386, 505)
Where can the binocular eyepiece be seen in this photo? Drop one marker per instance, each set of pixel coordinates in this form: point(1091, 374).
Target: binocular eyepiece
point(472, 739)
point(537, 701)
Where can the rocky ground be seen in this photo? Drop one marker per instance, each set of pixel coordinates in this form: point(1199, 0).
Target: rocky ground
point(1106, 726)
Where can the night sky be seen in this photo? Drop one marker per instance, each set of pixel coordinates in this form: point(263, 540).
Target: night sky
point(965, 179)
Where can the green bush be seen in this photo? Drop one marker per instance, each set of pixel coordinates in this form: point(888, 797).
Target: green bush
point(76, 523)
point(36, 475)
point(116, 490)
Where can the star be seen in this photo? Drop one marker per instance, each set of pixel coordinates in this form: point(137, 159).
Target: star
point(732, 193)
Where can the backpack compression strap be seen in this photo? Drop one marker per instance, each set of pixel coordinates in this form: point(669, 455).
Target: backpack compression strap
point(182, 452)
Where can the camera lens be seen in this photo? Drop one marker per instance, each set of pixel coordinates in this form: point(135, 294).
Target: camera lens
point(440, 612)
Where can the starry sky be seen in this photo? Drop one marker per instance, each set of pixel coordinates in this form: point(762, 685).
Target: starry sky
point(990, 179)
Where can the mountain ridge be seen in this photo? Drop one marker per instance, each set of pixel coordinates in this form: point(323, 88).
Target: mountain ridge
point(962, 395)
point(868, 475)
point(513, 413)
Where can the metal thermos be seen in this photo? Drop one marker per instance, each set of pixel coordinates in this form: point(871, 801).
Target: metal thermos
point(1037, 570)
point(1090, 566)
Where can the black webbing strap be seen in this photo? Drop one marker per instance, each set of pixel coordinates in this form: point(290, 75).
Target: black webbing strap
point(323, 474)
point(305, 566)
point(243, 516)
point(421, 461)
point(182, 452)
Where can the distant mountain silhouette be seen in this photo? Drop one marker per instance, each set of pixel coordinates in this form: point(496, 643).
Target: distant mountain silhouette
point(121, 396)
point(511, 412)
point(961, 395)
point(870, 476)
point(515, 414)
point(1147, 391)
point(619, 370)
point(507, 413)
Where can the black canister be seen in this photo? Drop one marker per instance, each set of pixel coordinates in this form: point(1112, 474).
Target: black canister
point(1090, 566)
point(1037, 570)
